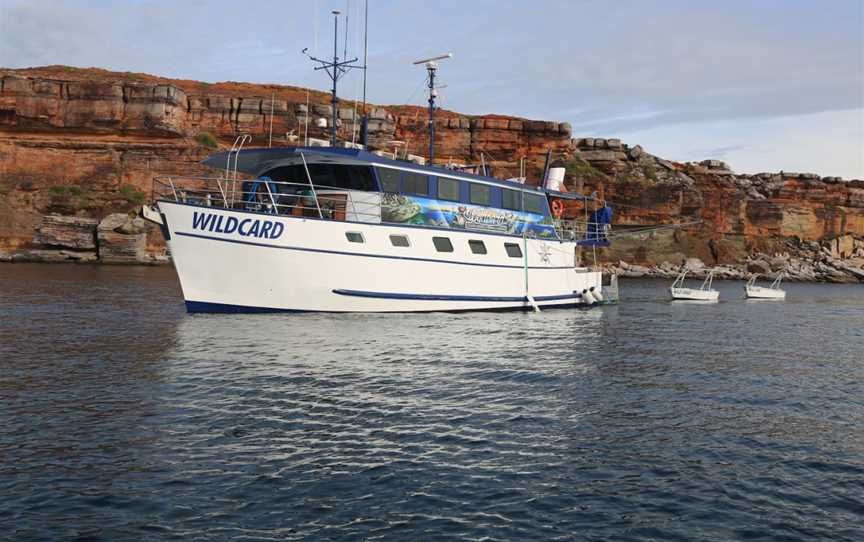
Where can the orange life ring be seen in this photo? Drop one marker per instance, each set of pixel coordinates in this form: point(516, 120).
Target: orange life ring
point(557, 208)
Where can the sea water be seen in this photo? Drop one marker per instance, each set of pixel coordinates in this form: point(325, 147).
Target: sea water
point(122, 417)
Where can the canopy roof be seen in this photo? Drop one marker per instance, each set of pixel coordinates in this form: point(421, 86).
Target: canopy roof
point(257, 161)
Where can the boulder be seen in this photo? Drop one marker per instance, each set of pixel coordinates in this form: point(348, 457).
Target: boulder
point(115, 246)
point(759, 266)
point(715, 164)
point(67, 232)
point(694, 264)
point(635, 152)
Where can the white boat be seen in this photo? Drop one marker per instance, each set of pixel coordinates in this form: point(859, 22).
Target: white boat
point(344, 230)
point(760, 292)
point(703, 293)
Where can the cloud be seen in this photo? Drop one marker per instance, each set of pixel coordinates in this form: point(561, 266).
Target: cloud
point(608, 68)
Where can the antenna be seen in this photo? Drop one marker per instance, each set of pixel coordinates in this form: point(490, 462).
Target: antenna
point(335, 70)
point(432, 67)
point(364, 124)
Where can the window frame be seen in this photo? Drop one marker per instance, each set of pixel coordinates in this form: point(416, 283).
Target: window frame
point(348, 235)
point(435, 240)
point(456, 182)
point(415, 179)
point(480, 186)
point(396, 174)
point(539, 198)
point(508, 246)
point(519, 197)
point(399, 236)
point(473, 242)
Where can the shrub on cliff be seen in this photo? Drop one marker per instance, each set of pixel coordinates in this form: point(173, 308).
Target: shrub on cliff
point(577, 167)
point(132, 195)
point(206, 139)
point(72, 191)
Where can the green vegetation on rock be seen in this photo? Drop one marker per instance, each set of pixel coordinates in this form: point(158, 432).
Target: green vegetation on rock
point(71, 191)
point(132, 195)
point(580, 168)
point(206, 139)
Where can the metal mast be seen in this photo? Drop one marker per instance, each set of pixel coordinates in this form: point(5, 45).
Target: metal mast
point(432, 67)
point(335, 70)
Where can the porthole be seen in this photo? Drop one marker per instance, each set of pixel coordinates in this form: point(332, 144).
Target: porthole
point(442, 244)
point(477, 246)
point(513, 250)
point(399, 241)
point(354, 237)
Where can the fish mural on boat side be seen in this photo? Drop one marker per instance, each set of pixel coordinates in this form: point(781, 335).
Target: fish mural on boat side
point(401, 209)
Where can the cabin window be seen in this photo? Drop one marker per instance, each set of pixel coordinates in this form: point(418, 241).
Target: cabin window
point(442, 244)
point(480, 194)
point(399, 241)
point(477, 246)
point(534, 204)
point(389, 179)
point(354, 237)
point(348, 177)
point(510, 199)
point(448, 189)
point(415, 183)
point(513, 250)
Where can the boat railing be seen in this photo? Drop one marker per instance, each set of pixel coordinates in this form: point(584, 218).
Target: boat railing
point(272, 197)
point(578, 230)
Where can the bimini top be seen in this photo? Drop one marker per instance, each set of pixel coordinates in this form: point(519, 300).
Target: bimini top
point(257, 161)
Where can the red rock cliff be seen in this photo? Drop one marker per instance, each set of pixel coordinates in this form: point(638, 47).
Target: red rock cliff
point(88, 143)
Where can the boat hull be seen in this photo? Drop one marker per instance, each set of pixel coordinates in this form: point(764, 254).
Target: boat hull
point(691, 294)
point(758, 292)
point(312, 266)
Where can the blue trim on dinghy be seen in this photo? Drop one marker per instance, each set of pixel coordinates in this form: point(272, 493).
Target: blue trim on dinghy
point(363, 255)
point(436, 297)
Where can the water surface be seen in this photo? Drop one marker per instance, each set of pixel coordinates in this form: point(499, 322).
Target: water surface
point(122, 417)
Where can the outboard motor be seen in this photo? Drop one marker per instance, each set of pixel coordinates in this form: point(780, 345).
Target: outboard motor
point(596, 293)
point(588, 297)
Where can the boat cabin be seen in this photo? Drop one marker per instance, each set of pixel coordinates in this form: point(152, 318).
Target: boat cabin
point(358, 186)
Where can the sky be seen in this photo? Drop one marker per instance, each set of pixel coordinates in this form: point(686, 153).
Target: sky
point(764, 85)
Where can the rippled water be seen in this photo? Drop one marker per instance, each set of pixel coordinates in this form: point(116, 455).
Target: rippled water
point(121, 417)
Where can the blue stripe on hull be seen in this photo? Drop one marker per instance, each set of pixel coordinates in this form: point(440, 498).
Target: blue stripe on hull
point(222, 308)
point(206, 307)
point(436, 297)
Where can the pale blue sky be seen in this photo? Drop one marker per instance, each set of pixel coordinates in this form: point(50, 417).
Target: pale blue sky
point(765, 85)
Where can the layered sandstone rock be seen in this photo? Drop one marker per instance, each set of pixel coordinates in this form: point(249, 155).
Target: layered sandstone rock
point(67, 231)
point(89, 142)
point(122, 239)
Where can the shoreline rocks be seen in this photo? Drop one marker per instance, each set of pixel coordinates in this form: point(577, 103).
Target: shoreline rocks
point(116, 239)
point(801, 262)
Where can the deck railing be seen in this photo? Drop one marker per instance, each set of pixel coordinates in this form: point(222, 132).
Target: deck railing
point(274, 197)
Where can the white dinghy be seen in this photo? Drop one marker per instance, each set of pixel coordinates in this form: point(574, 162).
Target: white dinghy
point(761, 292)
point(703, 293)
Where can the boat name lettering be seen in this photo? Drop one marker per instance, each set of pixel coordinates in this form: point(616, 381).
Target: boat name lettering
point(248, 227)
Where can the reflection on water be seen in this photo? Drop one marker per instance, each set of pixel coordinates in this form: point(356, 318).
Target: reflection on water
point(123, 417)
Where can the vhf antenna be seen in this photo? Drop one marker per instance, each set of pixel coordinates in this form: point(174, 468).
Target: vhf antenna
point(432, 67)
point(335, 70)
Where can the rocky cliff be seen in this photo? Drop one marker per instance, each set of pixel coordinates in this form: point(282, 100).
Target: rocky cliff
point(87, 143)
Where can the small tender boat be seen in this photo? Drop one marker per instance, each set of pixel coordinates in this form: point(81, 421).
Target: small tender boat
point(761, 292)
point(703, 293)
